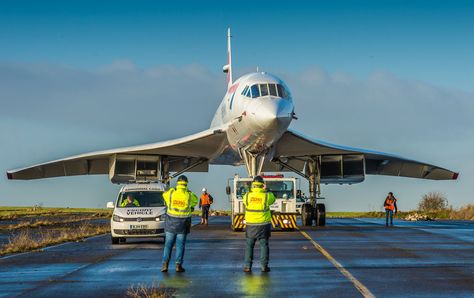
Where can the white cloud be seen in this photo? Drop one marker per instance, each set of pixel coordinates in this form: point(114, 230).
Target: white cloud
point(124, 105)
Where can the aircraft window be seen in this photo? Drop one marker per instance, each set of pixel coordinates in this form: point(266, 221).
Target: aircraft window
point(273, 90)
point(282, 91)
point(255, 91)
point(264, 89)
point(245, 90)
point(248, 93)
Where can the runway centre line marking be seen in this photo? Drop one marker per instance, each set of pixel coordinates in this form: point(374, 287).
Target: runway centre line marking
point(359, 286)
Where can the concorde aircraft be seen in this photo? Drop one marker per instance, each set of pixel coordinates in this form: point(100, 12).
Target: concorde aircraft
point(250, 127)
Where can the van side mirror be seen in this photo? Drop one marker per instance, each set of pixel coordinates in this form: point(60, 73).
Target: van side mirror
point(110, 205)
point(227, 190)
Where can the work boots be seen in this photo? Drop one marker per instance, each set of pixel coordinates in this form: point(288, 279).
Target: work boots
point(265, 269)
point(247, 269)
point(164, 268)
point(179, 268)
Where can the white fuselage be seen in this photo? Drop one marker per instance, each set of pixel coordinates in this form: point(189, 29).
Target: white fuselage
point(256, 121)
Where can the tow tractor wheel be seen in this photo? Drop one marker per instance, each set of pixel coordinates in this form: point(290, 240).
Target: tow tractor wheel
point(115, 240)
point(320, 215)
point(307, 215)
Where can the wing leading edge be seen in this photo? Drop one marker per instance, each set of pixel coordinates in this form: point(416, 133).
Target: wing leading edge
point(295, 148)
point(180, 153)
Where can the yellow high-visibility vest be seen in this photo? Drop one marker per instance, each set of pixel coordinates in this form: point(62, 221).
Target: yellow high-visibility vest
point(179, 201)
point(257, 205)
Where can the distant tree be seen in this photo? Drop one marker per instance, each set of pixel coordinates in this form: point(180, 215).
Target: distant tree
point(433, 201)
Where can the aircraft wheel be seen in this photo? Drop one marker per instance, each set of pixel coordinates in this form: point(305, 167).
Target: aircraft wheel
point(307, 215)
point(115, 240)
point(123, 240)
point(320, 215)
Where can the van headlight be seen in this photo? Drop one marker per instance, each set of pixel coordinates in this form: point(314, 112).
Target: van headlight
point(117, 218)
point(162, 217)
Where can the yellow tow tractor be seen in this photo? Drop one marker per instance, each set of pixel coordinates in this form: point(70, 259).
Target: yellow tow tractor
point(283, 210)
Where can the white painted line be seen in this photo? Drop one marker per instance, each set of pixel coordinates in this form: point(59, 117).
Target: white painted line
point(359, 286)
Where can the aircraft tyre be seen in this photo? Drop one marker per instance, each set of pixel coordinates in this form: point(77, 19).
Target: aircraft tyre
point(307, 215)
point(320, 215)
point(115, 240)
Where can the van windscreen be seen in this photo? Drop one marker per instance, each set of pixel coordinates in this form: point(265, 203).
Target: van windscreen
point(131, 199)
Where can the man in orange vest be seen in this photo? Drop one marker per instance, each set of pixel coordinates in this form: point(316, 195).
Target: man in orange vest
point(390, 205)
point(205, 203)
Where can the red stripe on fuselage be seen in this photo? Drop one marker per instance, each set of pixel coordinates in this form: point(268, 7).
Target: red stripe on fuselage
point(233, 88)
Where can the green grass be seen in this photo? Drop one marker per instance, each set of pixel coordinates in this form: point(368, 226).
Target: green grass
point(8, 212)
point(374, 214)
point(354, 214)
point(464, 213)
point(198, 212)
point(28, 240)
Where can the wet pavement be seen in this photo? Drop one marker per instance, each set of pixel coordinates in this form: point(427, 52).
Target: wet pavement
point(412, 259)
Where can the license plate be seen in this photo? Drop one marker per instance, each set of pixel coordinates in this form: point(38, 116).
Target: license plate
point(138, 227)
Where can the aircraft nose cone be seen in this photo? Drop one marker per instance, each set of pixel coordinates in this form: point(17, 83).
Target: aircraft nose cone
point(273, 113)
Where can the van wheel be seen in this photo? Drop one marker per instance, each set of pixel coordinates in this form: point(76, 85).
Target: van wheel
point(115, 240)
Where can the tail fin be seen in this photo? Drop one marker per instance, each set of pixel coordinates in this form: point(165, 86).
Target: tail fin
point(228, 67)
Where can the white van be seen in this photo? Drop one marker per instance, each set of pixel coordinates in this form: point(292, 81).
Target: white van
point(138, 212)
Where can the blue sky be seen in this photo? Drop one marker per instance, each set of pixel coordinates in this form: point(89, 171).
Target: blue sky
point(395, 76)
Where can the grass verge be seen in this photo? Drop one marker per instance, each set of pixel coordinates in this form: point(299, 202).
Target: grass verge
point(463, 213)
point(27, 240)
point(47, 222)
point(198, 212)
point(9, 213)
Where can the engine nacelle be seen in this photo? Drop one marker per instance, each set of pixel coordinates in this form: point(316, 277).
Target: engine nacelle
point(128, 168)
point(342, 169)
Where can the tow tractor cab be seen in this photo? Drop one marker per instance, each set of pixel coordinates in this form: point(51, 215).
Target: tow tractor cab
point(283, 210)
point(138, 212)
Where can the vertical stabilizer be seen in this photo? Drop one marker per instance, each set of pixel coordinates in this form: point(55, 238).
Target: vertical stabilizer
point(228, 67)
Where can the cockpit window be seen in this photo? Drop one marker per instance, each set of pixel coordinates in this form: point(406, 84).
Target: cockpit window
point(281, 91)
point(245, 90)
point(272, 89)
point(259, 90)
point(263, 89)
point(248, 93)
point(255, 91)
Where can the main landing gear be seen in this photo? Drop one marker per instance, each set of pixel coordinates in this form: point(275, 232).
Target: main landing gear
point(312, 211)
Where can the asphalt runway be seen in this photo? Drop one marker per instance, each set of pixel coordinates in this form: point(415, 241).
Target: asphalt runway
point(347, 258)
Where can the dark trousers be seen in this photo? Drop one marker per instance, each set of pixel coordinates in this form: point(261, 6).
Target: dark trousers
point(388, 214)
point(205, 211)
point(264, 252)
